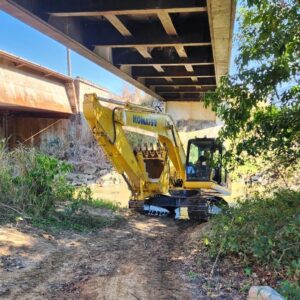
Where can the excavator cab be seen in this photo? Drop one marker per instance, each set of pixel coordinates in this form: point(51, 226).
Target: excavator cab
point(204, 161)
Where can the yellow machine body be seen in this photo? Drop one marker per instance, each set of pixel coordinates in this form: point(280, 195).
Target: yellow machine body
point(147, 169)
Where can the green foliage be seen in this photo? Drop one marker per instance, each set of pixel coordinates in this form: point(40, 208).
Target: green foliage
point(260, 104)
point(33, 181)
point(32, 184)
point(85, 196)
point(192, 275)
point(289, 290)
point(261, 231)
point(75, 216)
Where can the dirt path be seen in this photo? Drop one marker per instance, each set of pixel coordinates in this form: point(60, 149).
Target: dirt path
point(131, 262)
point(144, 258)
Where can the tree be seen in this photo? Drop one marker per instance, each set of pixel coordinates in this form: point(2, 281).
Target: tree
point(260, 103)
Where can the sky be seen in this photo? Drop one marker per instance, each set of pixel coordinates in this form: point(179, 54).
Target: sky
point(22, 40)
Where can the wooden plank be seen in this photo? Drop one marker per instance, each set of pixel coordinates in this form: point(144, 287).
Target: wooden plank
point(183, 97)
point(189, 68)
point(175, 76)
point(143, 51)
point(179, 86)
point(182, 89)
point(159, 42)
point(118, 25)
point(167, 23)
point(158, 68)
point(154, 82)
point(179, 91)
point(86, 8)
point(150, 72)
point(123, 57)
point(127, 12)
point(181, 51)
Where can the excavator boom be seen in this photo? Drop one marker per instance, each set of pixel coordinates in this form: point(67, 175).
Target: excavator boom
point(108, 125)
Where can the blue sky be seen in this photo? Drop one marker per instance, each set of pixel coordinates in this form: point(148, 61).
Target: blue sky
point(26, 42)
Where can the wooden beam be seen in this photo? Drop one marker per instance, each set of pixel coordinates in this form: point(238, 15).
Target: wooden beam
point(167, 64)
point(179, 82)
point(189, 68)
point(161, 62)
point(183, 89)
point(118, 25)
point(171, 72)
point(143, 51)
point(167, 23)
point(159, 41)
point(171, 30)
point(180, 92)
point(183, 97)
point(127, 12)
point(158, 68)
point(124, 57)
point(181, 51)
point(182, 86)
point(174, 76)
point(78, 8)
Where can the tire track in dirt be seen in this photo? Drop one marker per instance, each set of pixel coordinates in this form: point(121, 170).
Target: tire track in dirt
point(144, 260)
point(139, 259)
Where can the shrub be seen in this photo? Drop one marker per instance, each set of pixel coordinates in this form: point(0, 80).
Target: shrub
point(32, 183)
point(85, 196)
point(264, 231)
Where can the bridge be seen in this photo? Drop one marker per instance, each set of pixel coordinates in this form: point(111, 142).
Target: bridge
point(174, 50)
point(38, 104)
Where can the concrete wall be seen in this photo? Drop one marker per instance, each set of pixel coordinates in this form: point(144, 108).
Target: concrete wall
point(83, 87)
point(22, 90)
point(191, 116)
point(189, 111)
point(40, 130)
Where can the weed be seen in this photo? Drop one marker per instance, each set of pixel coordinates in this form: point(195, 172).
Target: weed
point(261, 231)
point(33, 183)
point(86, 197)
point(192, 275)
point(290, 290)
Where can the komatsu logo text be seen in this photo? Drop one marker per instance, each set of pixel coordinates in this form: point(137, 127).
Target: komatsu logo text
point(144, 121)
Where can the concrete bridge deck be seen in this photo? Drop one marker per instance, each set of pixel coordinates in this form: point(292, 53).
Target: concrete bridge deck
point(28, 87)
point(175, 50)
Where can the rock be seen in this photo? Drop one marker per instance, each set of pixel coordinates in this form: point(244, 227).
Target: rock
point(80, 179)
point(89, 169)
point(103, 172)
point(263, 293)
point(4, 290)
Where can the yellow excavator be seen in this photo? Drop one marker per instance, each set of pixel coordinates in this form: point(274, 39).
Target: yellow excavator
point(162, 178)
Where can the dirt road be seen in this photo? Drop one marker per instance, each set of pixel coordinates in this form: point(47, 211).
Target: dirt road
point(142, 258)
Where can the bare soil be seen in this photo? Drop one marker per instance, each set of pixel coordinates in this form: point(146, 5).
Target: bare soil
point(141, 258)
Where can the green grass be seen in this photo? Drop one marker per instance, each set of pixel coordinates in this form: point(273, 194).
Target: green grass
point(261, 232)
point(35, 185)
point(107, 204)
point(76, 217)
point(59, 222)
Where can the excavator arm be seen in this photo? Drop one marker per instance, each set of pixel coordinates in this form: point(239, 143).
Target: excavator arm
point(108, 123)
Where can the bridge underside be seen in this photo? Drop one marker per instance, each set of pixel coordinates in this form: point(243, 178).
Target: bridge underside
point(175, 50)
